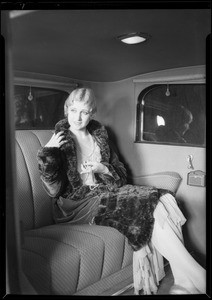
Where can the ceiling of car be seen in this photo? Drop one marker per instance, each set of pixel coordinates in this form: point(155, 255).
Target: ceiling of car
point(83, 44)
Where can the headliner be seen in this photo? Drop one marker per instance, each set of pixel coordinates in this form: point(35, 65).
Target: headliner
point(82, 44)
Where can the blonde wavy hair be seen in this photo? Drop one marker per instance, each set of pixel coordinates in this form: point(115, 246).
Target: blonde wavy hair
point(85, 95)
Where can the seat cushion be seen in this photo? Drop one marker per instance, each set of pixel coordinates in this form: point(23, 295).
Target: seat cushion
point(64, 259)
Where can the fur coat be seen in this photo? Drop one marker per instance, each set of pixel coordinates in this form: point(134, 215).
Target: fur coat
point(128, 208)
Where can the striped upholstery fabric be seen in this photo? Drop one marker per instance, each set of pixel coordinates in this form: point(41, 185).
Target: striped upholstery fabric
point(64, 259)
point(34, 203)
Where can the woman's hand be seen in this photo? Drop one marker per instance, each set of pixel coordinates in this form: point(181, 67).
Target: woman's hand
point(94, 166)
point(56, 140)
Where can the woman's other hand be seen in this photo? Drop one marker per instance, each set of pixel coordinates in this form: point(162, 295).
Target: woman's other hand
point(56, 140)
point(94, 166)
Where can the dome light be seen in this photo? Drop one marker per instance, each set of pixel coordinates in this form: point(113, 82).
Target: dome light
point(134, 38)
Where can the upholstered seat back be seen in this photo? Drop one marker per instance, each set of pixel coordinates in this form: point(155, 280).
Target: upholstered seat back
point(63, 259)
point(34, 203)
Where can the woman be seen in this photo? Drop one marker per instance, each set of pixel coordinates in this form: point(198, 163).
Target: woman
point(88, 185)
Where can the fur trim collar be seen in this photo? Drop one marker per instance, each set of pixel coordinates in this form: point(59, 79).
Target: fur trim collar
point(98, 131)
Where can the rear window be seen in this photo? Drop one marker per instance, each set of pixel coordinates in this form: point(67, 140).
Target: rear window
point(38, 108)
point(172, 114)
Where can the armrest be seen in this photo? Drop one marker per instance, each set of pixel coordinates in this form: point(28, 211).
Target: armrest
point(164, 180)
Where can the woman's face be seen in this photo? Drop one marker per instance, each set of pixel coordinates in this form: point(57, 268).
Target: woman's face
point(79, 115)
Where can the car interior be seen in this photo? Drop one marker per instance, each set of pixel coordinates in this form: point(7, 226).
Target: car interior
point(47, 53)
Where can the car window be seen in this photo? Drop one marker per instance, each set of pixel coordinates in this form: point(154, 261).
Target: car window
point(172, 114)
point(38, 108)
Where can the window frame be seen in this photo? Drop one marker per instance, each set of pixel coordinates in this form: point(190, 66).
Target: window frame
point(143, 86)
point(43, 81)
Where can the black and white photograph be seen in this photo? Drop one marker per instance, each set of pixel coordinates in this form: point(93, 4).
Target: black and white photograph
point(106, 148)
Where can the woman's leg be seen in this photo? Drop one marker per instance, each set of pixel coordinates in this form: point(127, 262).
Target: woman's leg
point(186, 271)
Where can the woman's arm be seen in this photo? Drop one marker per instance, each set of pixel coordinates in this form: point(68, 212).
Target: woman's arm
point(112, 171)
point(117, 171)
point(50, 165)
